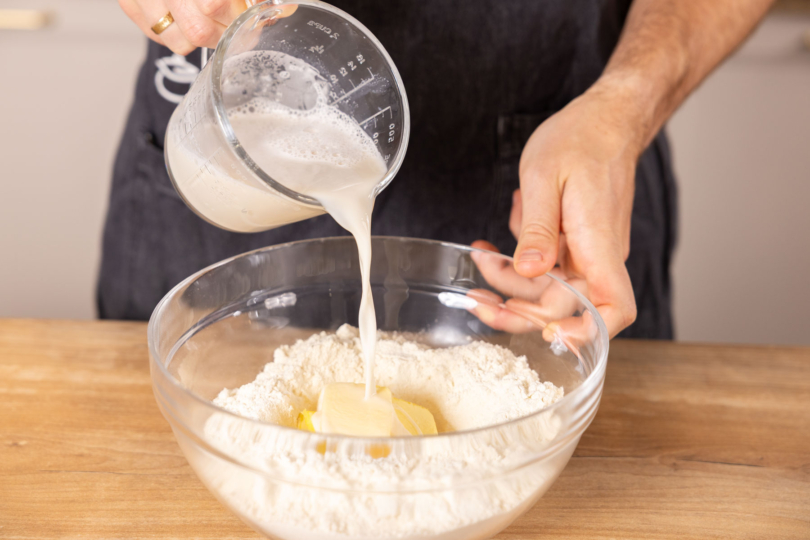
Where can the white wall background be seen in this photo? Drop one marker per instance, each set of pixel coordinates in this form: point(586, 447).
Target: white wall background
point(741, 143)
point(741, 146)
point(64, 94)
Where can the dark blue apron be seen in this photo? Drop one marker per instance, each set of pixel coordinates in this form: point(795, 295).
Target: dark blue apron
point(480, 77)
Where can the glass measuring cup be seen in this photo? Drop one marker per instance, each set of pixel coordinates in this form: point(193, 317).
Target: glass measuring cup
point(300, 55)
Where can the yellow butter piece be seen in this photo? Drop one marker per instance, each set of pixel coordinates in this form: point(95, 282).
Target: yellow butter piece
point(343, 409)
point(416, 419)
point(305, 424)
point(377, 451)
point(305, 421)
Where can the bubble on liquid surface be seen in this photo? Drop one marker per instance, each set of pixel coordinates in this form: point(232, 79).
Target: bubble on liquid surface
point(289, 130)
point(275, 75)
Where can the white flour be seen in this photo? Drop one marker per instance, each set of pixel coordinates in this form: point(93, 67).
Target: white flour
point(467, 387)
point(451, 485)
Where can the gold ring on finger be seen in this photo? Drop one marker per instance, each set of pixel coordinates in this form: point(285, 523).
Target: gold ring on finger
point(164, 22)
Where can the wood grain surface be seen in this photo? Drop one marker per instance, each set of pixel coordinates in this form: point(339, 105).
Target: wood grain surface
point(691, 441)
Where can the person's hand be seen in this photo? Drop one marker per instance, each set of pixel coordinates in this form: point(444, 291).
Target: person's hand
point(197, 23)
point(575, 200)
point(539, 304)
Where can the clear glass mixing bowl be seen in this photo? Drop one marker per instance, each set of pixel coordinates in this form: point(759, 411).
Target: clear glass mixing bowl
point(218, 328)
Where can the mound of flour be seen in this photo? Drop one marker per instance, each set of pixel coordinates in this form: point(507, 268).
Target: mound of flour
point(465, 387)
point(453, 486)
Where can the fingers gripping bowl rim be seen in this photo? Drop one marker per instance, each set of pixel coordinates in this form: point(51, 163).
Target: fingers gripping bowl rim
point(192, 326)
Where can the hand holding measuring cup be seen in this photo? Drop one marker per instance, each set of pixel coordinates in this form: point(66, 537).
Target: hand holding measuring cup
point(184, 25)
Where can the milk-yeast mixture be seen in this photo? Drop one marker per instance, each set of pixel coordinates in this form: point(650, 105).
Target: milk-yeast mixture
point(440, 486)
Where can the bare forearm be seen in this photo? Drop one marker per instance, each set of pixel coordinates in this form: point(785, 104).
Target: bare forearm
point(667, 48)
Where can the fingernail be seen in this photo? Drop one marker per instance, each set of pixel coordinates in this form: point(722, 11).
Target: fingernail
point(486, 315)
point(530, 262)
point(530, 255)
point(550, 331)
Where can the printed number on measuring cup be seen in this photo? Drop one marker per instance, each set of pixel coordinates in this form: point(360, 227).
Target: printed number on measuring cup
point(375, 138)
point(351, 65)
point(391, 133)
point(360, 59)
point(343, 71)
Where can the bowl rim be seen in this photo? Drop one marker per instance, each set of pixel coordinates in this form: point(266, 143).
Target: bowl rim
point(589, 383)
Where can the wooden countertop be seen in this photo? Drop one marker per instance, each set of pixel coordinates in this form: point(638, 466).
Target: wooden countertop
point(691, 441)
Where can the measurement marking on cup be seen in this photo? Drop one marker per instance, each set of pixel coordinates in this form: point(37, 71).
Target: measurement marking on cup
point(372, 117)
point(363, 82)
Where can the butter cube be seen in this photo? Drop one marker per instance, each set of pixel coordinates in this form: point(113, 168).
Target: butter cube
point(344, 410)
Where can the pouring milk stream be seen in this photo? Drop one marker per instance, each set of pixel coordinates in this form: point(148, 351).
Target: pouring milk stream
point(324, 154)
point(316, 151)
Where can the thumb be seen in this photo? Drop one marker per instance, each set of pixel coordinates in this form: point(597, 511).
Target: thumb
point(539, 238)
